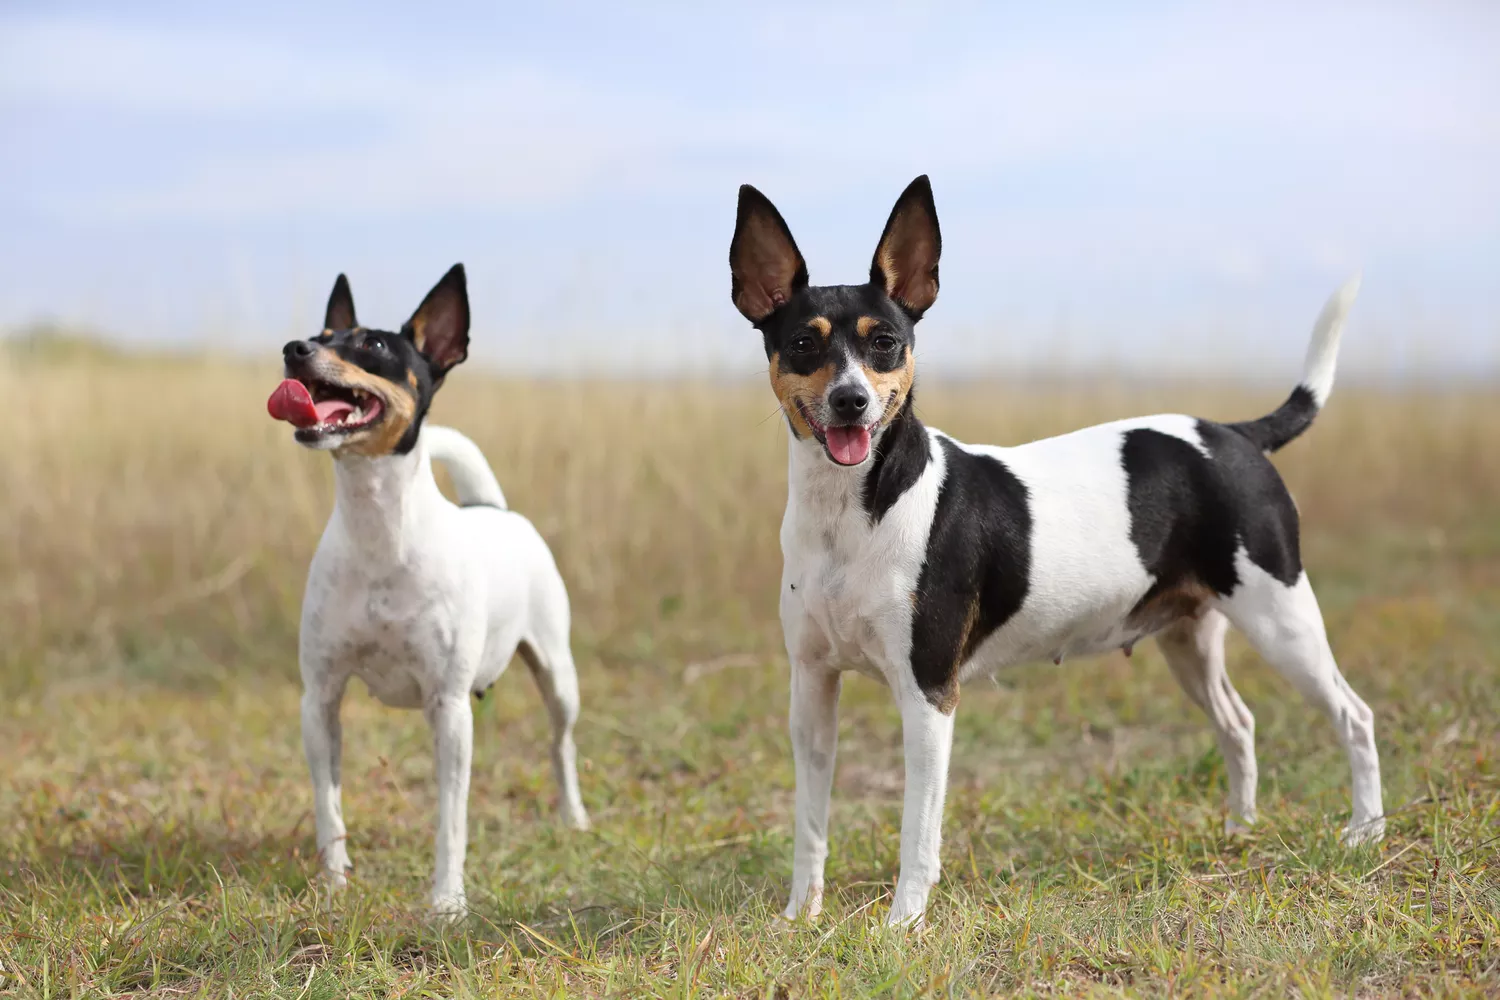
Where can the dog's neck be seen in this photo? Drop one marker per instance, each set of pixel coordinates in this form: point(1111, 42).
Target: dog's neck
point(899, 452)
point(383, 502)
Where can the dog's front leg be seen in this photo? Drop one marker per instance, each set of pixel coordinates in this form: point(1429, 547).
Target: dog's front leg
point(322, 742)
point(452, 722)
point(815, 737)
point(927, 736)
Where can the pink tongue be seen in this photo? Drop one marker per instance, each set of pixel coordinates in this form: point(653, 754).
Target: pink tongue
point(291, 402)
point(848, 445)
point(332, 409)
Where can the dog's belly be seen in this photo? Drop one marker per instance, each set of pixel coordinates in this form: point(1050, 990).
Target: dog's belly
point(1037, 637)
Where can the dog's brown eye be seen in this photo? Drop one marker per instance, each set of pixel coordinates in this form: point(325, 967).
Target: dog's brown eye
point(885, 343)
point(803, 345)
point(375, 344)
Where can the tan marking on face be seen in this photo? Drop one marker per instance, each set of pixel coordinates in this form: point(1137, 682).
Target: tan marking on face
point(399, 407)
point(791, 387)
point(411, 380)
point(822, 325)
point(892, 387)
point(865, 324)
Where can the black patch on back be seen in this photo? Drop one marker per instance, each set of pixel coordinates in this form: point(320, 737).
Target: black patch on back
point(900, 457)
point(1190, 512)
point(978, 566)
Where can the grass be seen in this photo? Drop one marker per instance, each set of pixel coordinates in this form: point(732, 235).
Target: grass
point(155, 834)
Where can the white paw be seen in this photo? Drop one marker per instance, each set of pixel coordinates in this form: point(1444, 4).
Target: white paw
point(449, 907)
point(1235, 826)
point(336, 865)
point(576, 818)
point(807, 904)
point(907, 908)
point(906, 918)
point(1370, 831)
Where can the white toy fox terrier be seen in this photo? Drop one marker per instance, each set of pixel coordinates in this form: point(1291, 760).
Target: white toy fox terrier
point(424, 601)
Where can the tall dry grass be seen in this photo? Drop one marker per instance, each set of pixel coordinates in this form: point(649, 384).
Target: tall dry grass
point(157, 523)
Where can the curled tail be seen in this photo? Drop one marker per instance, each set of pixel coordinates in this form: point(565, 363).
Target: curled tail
point(1291, 418)
point(473, 481)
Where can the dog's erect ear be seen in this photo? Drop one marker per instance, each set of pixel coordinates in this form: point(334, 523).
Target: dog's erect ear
point(440, 326)
point(340, 312)
point(766, 266)
point(906, 259)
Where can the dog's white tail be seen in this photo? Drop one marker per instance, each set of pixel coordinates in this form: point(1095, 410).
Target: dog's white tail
point(473, 481)
point(1294, 416)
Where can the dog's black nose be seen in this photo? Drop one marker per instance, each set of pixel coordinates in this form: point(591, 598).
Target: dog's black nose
point(297, 350)
point(848, 402)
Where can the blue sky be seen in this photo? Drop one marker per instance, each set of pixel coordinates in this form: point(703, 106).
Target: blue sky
point(1176, 187)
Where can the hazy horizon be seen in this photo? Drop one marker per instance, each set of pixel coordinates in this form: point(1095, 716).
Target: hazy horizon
point(1177, 189)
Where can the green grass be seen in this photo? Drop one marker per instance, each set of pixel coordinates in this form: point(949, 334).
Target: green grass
point(155, 834)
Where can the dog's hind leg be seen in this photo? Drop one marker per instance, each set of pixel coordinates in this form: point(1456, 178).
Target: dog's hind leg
point(322, 742)
point(551, 665)
point(1194, 649)
point(1285, 626)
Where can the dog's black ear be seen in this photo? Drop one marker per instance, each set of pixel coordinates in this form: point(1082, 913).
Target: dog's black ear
point(906, 259)
point(440, 326)
point(340, 312)
point(765, 265)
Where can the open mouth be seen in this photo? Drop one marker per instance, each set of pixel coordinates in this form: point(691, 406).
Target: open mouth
point(319, 409)
point(846, 445)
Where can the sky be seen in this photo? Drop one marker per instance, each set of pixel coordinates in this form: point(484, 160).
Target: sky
point(1176, 187)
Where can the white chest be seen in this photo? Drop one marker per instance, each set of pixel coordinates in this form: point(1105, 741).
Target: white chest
point(849, 581)
point(391, 632)
point(842, 607)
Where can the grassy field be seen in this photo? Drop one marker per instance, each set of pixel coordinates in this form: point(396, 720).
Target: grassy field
point(155, 834)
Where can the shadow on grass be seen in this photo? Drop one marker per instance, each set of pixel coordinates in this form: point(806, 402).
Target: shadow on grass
point(155, 860)
point(588, 893)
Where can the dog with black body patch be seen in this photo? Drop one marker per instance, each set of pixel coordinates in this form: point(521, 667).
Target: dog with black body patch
point(924, 562)
point(423, 600)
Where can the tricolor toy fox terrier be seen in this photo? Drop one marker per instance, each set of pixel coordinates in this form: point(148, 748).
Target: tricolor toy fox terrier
point(925, 562)
point(424, 601)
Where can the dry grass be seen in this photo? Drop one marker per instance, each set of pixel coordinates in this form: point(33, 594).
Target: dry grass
point(153, 819)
